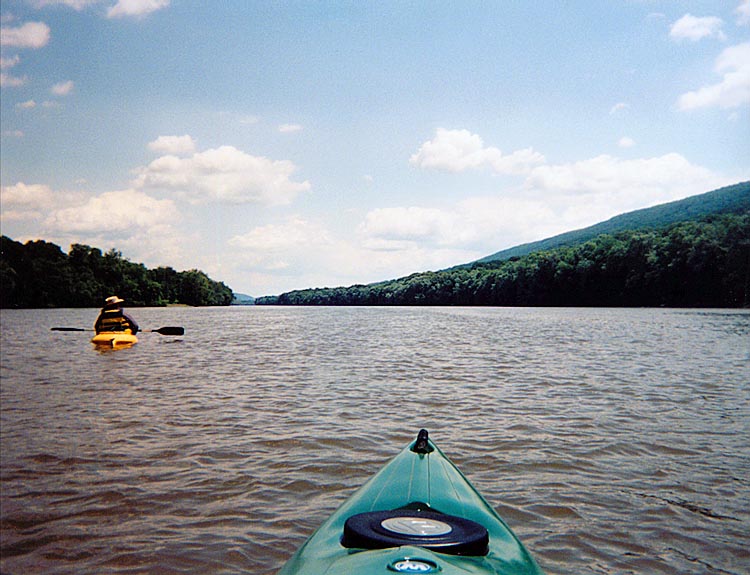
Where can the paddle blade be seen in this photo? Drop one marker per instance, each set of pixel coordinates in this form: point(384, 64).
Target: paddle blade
point(69, 329)
point(170, 330)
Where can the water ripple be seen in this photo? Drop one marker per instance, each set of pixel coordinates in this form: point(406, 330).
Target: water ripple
point(612, 441)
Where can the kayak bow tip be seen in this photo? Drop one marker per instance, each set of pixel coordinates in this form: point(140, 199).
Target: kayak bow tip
point(422, 444)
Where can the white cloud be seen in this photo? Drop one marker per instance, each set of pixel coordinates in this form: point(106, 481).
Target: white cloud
point(177, 145)
point(288, 128)
point(9, 62)
point(553, 199)
point(619, 107)
point(472, 228)
point(734, 88)
point(590, 191)
point(519, 162)
point(224, 174)
point(504, 220)
point(295, 243)
point(136, 8)
point(460, 150)
point(305, 254)
point(26, 202)
point(408, 224)
point(743, 13)
point(27, 196)
point(470, 223)
point(29, 35)
point(632, 182)
point(27, 105)
point(295, 232)
point(114, 213)
point(130, 220)
point(63, 88)
point(8, 81)
point(693, 28)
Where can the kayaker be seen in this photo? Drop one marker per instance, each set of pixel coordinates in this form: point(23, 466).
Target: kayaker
point(113, 318)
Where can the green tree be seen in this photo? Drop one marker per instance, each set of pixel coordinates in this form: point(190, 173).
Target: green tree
point(40, 274)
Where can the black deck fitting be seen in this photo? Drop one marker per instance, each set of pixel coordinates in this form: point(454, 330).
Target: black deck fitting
point(422, 444)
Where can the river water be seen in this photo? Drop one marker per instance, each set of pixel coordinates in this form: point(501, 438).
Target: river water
point(611, 441)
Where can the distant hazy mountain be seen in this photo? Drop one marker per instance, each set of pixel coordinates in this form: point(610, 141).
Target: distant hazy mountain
point(243, 299)
point(732, 199)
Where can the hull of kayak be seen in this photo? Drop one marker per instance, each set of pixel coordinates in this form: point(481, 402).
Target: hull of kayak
point(418, 514)
point(114, 339)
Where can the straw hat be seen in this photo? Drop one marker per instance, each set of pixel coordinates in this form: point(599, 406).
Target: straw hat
point(112, 300)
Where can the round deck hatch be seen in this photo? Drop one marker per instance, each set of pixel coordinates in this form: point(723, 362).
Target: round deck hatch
point(416, 526)
point(427, 529)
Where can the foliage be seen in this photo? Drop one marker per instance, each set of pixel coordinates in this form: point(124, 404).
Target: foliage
point(40, 274)
point(702, 263)
point(729, 200)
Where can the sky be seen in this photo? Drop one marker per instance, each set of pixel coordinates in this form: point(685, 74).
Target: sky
point(280, 145)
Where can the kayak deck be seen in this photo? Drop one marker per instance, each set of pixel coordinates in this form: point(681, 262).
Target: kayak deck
point(418, 514)
point(114, 339)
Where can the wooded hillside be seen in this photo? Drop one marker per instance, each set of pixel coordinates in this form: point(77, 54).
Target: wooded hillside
point(728, 200)
point(702, 263)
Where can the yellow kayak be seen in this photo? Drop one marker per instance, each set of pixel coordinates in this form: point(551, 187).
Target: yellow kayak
point(114, 338)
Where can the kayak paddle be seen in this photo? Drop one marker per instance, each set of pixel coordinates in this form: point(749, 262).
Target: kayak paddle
point(169, 330)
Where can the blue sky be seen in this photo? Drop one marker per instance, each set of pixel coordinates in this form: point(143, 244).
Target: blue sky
point(288, 144)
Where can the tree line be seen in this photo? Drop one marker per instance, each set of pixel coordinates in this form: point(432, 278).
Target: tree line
point(39, 274)
point(733, 199)
point(703, 263)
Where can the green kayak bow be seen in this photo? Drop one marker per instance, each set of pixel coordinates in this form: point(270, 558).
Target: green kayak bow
point(418, 514)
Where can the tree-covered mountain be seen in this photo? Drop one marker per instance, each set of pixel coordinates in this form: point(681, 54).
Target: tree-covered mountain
point(729, 200)
point(39, 274)
point(692, 253)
